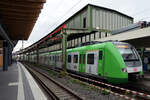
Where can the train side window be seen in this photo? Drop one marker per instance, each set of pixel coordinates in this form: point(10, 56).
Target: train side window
point(53, 58)
point(60, 57)
point(69, 58)
point(56, 58)
point(100, 55)
point(75, 59)
point(80, 59)
point(90, 59)
point(83, 58)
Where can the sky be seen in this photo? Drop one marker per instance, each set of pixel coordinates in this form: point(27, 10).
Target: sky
point(55, 12)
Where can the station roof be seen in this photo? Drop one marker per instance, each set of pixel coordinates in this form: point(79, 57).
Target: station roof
point(18, 17)
point(139, 38)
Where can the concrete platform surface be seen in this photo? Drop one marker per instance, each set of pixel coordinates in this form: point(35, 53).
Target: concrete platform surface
point(18, 84)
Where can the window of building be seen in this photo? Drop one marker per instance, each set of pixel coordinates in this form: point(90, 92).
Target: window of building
point(90, 59)
point(100, 55)
point(75, 59)
point(69, 58)
point(84, 22)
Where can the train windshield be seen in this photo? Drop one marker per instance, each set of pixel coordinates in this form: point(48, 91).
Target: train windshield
point(128, 52)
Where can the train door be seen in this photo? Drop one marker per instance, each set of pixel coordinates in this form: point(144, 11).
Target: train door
point(69, 61)
point(82, 62)
point(75, 63)
point(46, 59)
point(92, 62)
point(101, 62)
point(50, 60)
point(53, 60)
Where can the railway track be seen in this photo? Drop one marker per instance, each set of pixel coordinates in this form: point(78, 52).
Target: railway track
point(125, 93)
point(55, 90)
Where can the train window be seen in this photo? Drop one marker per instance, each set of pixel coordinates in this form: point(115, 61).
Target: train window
point(53, 58)
point(80, 59)
point(60, 58)
point(57, 58)
point(90, 59)
point(83, 58)
point(75, 59)
point(69, 58)
point(100, 55)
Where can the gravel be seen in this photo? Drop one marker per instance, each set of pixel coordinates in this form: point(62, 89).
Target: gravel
point(80, 88)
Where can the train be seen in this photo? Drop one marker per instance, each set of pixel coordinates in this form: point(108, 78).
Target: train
point(116, 62)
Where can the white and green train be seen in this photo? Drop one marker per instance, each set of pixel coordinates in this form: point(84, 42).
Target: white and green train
point(117, 62)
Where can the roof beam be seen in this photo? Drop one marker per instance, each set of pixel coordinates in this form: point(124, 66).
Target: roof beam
point(22, 4)
point(18, 14)
point(31, 1)
point(31, 11)
point(5, 36)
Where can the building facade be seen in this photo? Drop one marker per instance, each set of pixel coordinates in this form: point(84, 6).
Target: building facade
point(94, 18)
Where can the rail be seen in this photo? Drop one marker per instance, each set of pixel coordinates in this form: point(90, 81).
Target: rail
point(54, 89)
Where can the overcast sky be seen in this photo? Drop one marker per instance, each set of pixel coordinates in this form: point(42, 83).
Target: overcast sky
point(57, 11)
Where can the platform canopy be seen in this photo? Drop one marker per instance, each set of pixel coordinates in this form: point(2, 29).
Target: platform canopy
point(18, 17)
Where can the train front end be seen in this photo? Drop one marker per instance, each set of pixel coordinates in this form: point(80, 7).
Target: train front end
point(132, 61)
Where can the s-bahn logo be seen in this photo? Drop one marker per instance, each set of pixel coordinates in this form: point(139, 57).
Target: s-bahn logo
point(134, 69)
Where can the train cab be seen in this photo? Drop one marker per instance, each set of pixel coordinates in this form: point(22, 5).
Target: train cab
point(132, 60)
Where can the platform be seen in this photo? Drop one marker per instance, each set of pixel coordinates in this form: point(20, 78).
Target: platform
point(147, 75)
point(18, 84)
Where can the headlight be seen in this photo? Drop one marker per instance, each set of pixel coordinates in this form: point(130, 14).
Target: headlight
point(124, 69)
